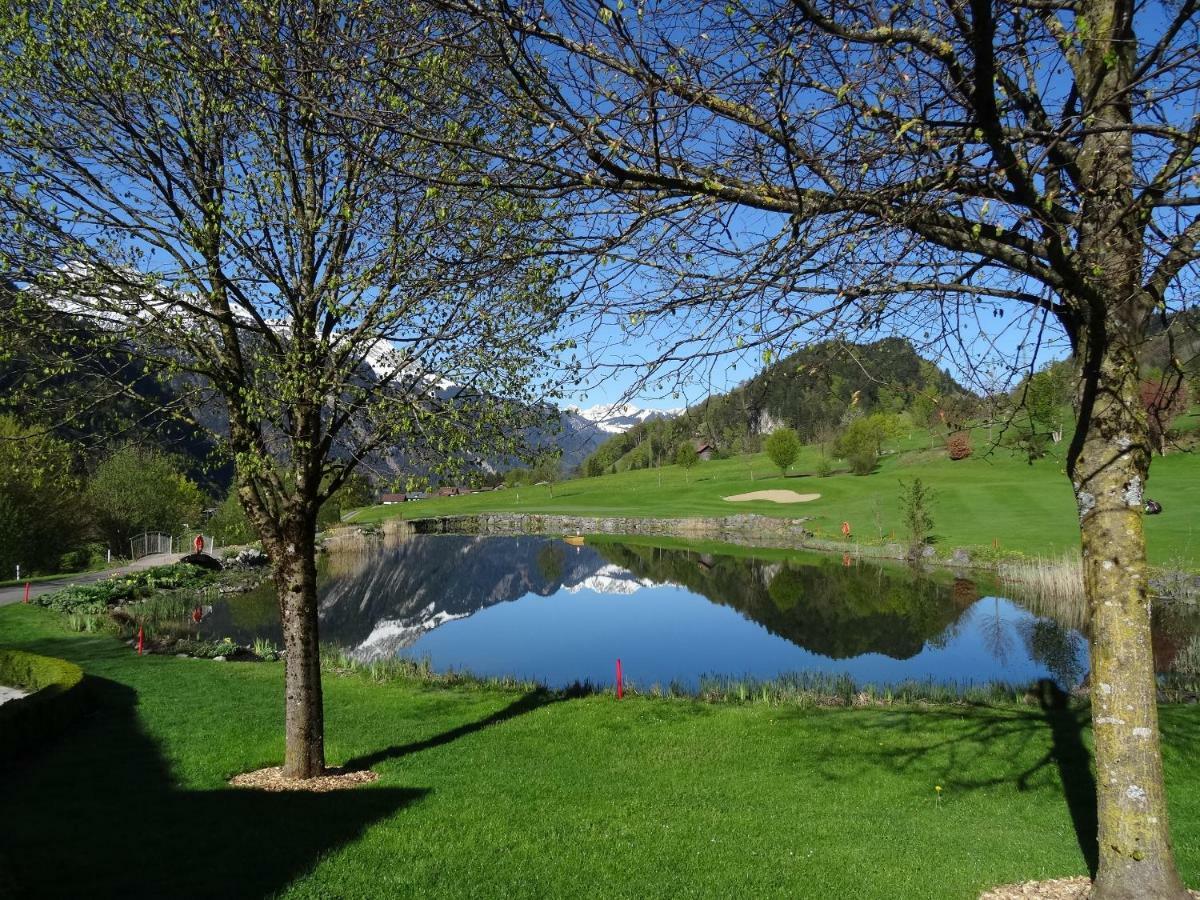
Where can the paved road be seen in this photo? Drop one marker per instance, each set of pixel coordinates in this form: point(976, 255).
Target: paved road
point(17, 594)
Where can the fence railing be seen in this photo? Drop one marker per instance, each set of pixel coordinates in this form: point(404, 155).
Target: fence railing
point(153, 542)
point(149, 543)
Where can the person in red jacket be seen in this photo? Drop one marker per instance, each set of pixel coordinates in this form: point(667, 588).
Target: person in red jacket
point(198, 543)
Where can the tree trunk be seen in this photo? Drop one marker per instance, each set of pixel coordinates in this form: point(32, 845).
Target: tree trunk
point(1109, 476)
point(296, 582)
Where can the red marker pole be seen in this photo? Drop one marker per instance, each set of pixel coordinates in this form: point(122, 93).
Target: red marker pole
point(27, 592)
point(141, 639)
point(620, 685)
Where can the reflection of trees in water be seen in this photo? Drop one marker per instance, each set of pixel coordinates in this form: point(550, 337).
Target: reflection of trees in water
point(994, 632)
point(1068, 611)
point(1173, 624)
point(551, 562)
point(350, 559)
point(824, 607)
point(257, 610)
point(1058, 648)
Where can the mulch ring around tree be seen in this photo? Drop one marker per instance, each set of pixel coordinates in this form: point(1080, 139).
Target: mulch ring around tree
point(272, 779)
point(1079, 888)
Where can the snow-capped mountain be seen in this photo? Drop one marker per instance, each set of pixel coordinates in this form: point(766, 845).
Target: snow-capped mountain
point(617, 418)
point(405, 591)
point(610, 580)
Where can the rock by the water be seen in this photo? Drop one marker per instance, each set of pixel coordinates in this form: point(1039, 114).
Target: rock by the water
point(960, 557)
point(203, 561)
point(250, 558)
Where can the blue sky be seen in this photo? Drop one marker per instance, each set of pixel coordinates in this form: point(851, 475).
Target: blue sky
point(985, 350)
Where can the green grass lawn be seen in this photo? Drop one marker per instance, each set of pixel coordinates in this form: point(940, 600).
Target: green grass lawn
point(485, 793)
point(982, 501)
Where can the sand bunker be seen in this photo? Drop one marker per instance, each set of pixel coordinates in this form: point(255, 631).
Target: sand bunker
point(774, 497)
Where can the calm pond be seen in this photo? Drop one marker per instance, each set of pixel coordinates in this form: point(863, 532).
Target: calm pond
point(539, 609)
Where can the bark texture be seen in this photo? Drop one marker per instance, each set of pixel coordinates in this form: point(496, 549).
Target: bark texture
point(296, 582)
point(1109, 477)
point(1109, 463)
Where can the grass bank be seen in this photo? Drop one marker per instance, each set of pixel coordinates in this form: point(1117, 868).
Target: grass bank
point(509, 793)
point(997, 504)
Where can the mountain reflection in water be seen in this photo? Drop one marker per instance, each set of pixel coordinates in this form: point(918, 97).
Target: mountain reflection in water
point(534, 607)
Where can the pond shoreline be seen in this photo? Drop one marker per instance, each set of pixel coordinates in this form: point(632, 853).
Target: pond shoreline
point(769, 532)
point(745, 530)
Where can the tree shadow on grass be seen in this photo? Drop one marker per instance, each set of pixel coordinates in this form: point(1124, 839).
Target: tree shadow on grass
point(98, 815)
point(1073, 761)
point(974, 742)
point(528, 703)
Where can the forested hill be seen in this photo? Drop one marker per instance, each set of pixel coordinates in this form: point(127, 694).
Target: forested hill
point(104, 399)
point(810, 391)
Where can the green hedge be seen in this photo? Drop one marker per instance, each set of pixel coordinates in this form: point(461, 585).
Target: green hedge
point(56, 689)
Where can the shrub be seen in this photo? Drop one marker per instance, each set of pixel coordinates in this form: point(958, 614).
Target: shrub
point(205, 649)
point(783, 446)
point(55, 700)
point(959, 445)
point(964, 591)
point(1033, 444)
point(824, 467)
point(91, 598)
point(863, 439)
point(1164, 399)
point(915, 502)
point(863, 462)
point(686, 457)
point(84, 557)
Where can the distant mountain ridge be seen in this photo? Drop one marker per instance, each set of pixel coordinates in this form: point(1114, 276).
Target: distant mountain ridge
point(619, 418)
point(139, 415)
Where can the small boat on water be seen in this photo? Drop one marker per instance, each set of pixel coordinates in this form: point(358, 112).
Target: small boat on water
point(575, 540)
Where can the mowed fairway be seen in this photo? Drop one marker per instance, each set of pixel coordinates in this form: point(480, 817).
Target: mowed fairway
point(485, 793)
point(988, 501)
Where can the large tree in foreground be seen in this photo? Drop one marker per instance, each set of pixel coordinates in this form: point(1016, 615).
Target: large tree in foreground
point(177, 186)
point(774, 170)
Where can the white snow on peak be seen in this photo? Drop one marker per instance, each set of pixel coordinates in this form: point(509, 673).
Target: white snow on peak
point(390, 635)
point(610, 580)
point(617, 418)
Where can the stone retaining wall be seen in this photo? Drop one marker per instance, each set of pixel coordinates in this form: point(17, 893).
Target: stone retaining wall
point(750, 530)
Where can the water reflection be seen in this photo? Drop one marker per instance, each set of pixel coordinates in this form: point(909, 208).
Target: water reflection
point(538, 608)
point(830, 609)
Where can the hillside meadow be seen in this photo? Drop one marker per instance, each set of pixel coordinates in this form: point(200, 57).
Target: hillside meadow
point(994, 502)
